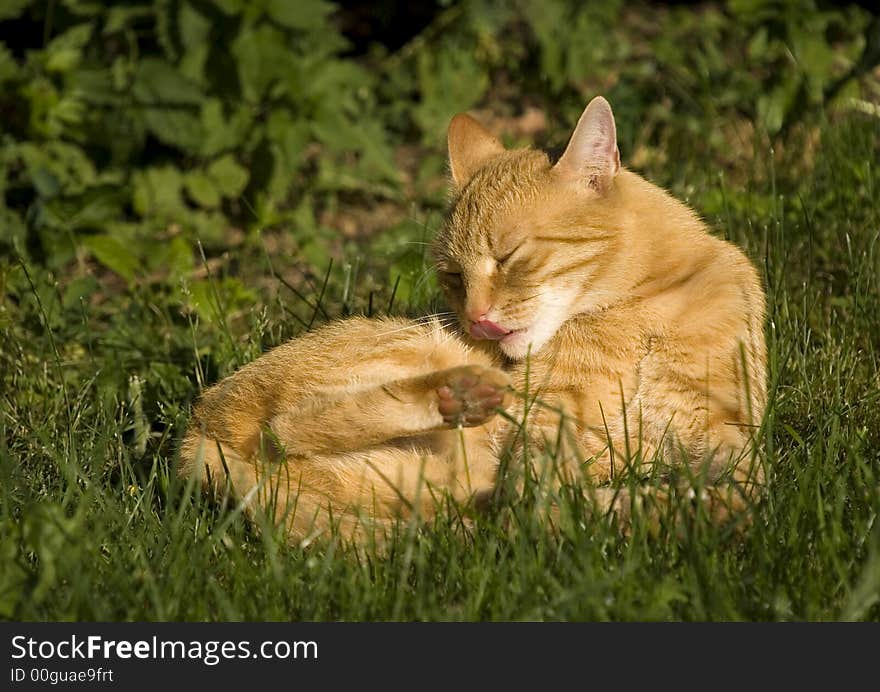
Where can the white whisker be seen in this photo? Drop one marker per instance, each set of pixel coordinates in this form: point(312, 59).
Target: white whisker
point(440, 320)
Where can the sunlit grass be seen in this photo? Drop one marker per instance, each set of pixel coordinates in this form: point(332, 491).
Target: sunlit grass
point(94, 524)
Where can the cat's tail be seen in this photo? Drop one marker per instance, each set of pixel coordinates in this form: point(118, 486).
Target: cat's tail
point(275, 497)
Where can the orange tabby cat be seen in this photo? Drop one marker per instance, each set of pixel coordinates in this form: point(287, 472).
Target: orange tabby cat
point(630, 330)
point(618, 292)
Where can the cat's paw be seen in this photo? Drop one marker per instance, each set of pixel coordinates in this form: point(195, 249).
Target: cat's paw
point(471, 394)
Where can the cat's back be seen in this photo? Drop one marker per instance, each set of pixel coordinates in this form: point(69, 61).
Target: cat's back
point(700, 307)
point(690, 279)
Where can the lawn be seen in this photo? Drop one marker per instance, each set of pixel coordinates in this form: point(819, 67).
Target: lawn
point(184, 185)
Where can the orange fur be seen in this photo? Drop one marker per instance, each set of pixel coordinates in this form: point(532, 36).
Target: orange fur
point(345, 425)
point(633, 331)
point(644, 329)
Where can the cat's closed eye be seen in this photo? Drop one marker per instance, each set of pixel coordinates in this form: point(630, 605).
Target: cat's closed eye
point(452, 279)
point(502, 259)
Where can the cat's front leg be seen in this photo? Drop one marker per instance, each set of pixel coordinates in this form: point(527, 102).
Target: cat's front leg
point(467, 395)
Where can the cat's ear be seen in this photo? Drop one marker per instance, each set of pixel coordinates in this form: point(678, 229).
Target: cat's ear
point(470, 146)
point(592, 154)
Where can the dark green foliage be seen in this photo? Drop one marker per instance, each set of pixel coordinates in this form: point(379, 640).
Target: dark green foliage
point(184, 183)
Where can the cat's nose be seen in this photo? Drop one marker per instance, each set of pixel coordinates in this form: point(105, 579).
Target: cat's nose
point(477, 313)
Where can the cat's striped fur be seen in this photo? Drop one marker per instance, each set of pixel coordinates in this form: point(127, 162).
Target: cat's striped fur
point(627, 330)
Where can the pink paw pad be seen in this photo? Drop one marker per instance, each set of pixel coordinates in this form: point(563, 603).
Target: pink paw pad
point(471, 396)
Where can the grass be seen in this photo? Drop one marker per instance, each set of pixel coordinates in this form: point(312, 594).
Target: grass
point(97, 380)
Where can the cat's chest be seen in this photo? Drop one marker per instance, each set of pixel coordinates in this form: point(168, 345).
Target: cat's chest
point(598, 358)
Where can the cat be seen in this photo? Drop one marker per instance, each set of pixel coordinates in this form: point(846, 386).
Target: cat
point(351, 427)
point(592, 307)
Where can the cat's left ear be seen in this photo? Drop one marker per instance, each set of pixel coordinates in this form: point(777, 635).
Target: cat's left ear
point(592, 154)
point(471, 146)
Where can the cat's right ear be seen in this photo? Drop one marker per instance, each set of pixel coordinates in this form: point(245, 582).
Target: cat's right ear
point(592, 155)
point(470, 147)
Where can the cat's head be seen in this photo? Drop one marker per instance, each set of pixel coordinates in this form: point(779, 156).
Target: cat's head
point(526, 243)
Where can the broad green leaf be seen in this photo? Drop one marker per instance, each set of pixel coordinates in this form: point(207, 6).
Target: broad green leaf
point(178, 127)
point(194, 31)
point(157, 191)
point(290, 135)
point(366, 138)
point(179, 257)
point(160, 83)
point(119, 18)
point(328, 83)
point(69, 111)
point(230, 177)
point(58, 246)
point(44, 182)
point(79, 289)
point(377, 154)
point(208, 225)
point(757, 49)
point(202, 189)
point(9, 68)
point(221, 133)
point(120, 71)
point(56, 167)
point(10, 9)
point(95, 86)
point(276, 192)
point(12, 227)
point(164, 29)
point(114, 255)
point(92, 210)
point(218, 135)
point(815, 57)
point(63, 59)
point(230, 6)
point(233, 297)
point(64, 52)
point(303, 219)
point(774, 106)
point(121, 134)
point(85, 8)
point(302, 14)
point(41, 96)
point(450, 82)
point(263, 57)
point(752, 11)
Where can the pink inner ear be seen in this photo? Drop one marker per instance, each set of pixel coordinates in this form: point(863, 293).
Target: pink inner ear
point(592, 151)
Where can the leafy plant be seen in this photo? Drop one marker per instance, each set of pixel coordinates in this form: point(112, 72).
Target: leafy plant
point(186, 183)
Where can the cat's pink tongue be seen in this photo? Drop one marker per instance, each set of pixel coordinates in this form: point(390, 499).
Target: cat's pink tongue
point(484, 329)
